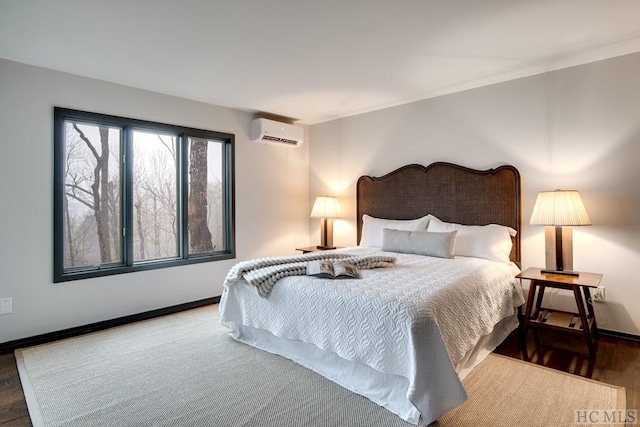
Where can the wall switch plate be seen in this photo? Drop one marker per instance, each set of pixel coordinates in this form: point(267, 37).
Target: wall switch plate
point(6, 305)
point(598, 294)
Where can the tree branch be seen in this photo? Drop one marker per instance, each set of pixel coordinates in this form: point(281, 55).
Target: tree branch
point(171, 149)
point(86, 141)
point(76, 187)
point(84, 202)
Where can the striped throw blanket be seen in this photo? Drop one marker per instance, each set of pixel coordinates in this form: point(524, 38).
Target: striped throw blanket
point(263, 273)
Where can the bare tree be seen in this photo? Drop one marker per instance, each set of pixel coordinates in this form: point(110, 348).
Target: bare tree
point(87, 183)
point(71, 247)
point(199, 234)
point(99, 189)
point(215, 215)
point(156, 198)
point(82, 243)
point(92, 214)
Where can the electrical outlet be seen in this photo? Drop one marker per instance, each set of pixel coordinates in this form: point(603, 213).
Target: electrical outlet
point(6, 305)
point(598, 294)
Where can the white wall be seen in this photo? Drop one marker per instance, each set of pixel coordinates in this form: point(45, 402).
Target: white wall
point(272, 208)
point(577, 128)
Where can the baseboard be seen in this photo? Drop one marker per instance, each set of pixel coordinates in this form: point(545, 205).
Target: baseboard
point(11, 346)
point(619, 335)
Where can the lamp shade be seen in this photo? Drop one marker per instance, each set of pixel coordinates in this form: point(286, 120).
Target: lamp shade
point(325, 207)
point(559, 208)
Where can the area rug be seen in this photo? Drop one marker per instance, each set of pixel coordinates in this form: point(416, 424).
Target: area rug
point(184, 370)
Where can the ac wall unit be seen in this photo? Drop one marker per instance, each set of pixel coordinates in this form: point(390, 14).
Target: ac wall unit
point(276, 133)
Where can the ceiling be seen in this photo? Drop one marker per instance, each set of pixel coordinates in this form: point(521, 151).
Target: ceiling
point(314, 60)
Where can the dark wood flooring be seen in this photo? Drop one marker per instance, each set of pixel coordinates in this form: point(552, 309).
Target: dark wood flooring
point(617, 362)
point(13, 408)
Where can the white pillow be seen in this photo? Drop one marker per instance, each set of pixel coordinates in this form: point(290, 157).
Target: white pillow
point(372, 228)
point(491, 241)
point(439, 245)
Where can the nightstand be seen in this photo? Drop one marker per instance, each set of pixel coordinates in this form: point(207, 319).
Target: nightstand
point(583, 322)
point(315, 249)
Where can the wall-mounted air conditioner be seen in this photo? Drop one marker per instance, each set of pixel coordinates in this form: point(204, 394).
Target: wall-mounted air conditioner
point(276, 133)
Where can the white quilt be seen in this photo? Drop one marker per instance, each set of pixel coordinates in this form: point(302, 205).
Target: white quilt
point(415, 320)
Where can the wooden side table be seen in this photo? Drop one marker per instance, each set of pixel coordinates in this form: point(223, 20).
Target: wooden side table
point(308, 249)
point(583, 322)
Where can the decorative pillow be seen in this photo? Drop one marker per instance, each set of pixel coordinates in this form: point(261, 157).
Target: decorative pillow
point(491, 241)
point(372, 228)
point(439, 245)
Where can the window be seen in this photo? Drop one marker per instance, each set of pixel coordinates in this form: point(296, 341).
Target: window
point(133, 195)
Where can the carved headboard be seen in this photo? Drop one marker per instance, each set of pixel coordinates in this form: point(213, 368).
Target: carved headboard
point(451, 192)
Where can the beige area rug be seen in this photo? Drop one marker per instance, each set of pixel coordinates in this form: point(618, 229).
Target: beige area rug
point(184, 370)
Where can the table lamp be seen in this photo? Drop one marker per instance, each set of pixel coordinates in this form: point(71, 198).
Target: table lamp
point(326, 208)
point(559, 210)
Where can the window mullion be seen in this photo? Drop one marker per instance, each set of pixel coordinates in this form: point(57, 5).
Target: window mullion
point(127, 195)
point(229, 197)
point(183, 191)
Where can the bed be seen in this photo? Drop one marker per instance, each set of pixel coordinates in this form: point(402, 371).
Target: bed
point(407, 335)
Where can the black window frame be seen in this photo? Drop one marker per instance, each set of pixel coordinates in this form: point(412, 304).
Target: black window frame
point(61, 115)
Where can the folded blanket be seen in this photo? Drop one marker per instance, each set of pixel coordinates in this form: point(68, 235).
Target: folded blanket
point(263, 273)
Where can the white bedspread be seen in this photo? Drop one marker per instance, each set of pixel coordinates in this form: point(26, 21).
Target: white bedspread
point(415, 320)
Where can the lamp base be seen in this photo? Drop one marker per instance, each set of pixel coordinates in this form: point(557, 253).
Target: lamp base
point(326, 233)
point(565, 272)
point(325, 247)
point(559, 249)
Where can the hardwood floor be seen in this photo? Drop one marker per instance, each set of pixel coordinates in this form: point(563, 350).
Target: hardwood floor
point(13, 408)
point(617, 362)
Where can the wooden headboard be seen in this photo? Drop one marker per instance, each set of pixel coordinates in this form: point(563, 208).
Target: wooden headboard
point(451, 192)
